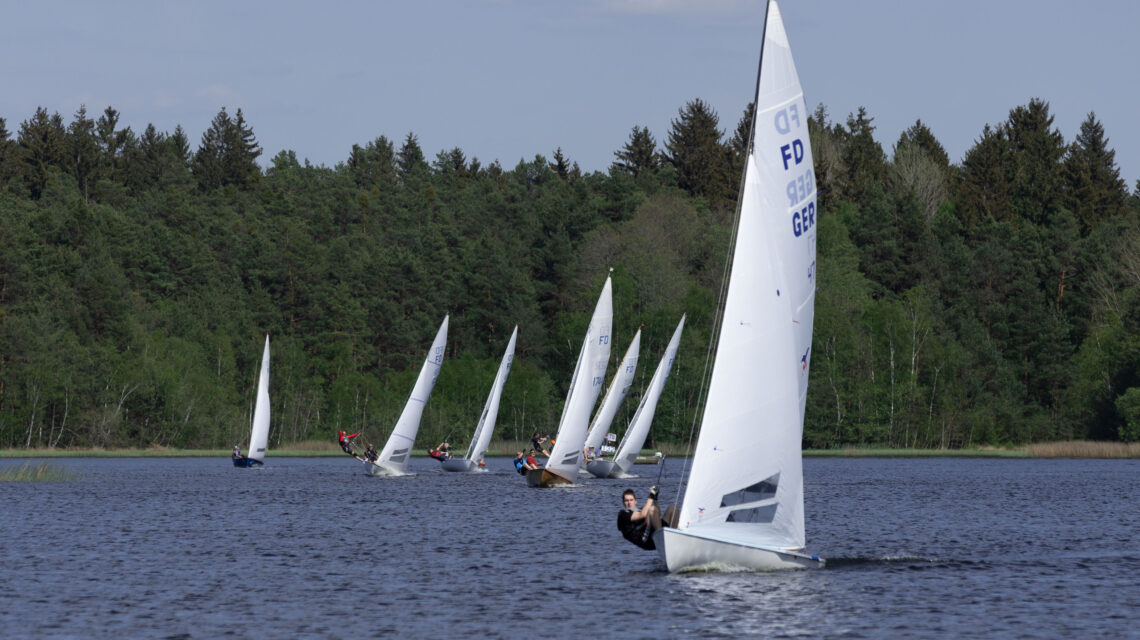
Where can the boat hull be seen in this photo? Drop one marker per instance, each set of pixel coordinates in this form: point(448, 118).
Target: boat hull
point(683, 550)
point(244, 462)
point(541, 478)
point(379, 470)
point(460, 465)
point(601, 468)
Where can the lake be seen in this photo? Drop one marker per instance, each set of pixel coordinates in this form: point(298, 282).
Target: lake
point(314, 548)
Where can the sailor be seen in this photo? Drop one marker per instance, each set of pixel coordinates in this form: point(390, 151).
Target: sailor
point(346, 444)
point(237, 451)
point(520, 463)
point(370, 453)
point(536, 444)
point(638, 525)
point(531, 461)
point(444, 450)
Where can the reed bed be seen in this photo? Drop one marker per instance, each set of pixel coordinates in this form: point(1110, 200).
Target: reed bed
point(1084, 449)
point(43, 472)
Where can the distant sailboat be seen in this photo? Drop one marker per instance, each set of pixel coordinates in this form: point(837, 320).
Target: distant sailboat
point(393, 460)
point(259, 432)
point(472, 460)
point(743, 504)
point(634, 438)
point(589, 374)
point(615, 394)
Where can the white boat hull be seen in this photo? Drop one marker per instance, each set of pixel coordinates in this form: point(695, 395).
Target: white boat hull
point(461, 465)
point(601, 468)
point(379, 470)
point(682, 550)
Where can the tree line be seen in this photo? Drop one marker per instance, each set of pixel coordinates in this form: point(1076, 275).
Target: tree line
point(995, 301)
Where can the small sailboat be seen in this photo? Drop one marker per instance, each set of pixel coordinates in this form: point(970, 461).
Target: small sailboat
point(259, 432)
point(589, 374)
point(635, 434)
point(472, 460)
point(743, 504)
point(393, 459)
point(615, 394)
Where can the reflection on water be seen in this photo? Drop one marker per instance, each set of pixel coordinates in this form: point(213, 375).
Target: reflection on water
point(315, 548)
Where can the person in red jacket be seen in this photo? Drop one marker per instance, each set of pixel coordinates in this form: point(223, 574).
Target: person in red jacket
point(346, 444)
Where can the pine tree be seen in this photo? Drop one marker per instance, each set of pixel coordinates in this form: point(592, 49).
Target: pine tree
point(738, 148)
point(1092, 188)
point(410, 160)
point(862, 156)
point(228, 154)
point(374, 163)
point(241, 159)
point(639, 153)
point(695, 152)
point(42, 147)
point(1033, 169)
point(984, 191)
point(559, 165)
point(84, 156)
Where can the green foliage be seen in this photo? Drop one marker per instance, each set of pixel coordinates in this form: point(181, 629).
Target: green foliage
point(989, 303)
point(1128, 405)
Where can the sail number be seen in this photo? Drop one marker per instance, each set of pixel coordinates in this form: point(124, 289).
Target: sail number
point(803, 219)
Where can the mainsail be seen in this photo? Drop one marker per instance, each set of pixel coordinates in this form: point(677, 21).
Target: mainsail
point(615, 394)
point(259, 433)
point(744, 498)
point(589, 374)
point(394, 457)
point(634, 438)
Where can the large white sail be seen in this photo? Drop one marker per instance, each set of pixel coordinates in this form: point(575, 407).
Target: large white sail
point(394, 457)
point(634, 438)
point(615, 394)
point(745, 489)
point(259, 433)
point(482, 436)
point(589, 375)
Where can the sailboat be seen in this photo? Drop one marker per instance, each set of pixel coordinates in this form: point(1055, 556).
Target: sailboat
point(617, 391)
point(393, 459)
point(472, 460)
point(635, 434)
point(259, 432)
point(589, 374)
point(743, 503)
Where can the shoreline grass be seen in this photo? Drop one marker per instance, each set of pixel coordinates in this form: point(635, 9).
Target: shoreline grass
point(43, 472)
point(507, 448)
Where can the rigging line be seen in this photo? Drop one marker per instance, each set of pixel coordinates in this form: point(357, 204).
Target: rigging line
point(718, 316)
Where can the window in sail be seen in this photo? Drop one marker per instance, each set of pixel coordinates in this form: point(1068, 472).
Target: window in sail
point(763, 490)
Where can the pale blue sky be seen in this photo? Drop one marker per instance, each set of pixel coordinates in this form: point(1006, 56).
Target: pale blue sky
point(509, 79)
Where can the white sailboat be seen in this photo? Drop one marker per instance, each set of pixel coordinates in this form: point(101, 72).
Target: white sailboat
point(615, 394)
point(259, 432)
point(743, 503)
point(589, 374)
point(635, 434)
point(393, 460)
point(471, 461)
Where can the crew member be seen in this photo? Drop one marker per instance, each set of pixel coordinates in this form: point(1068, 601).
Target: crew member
point(638, 525)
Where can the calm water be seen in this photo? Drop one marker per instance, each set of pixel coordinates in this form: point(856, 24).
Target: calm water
point(313, 548)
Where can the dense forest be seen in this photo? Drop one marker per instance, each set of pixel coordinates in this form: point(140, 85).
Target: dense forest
point(995, 301)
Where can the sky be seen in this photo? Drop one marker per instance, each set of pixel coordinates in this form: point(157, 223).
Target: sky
point(508, 80)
